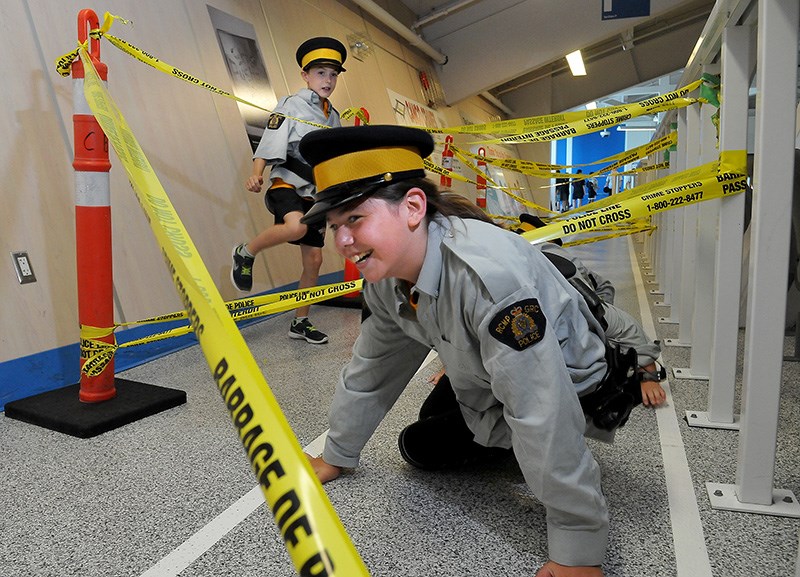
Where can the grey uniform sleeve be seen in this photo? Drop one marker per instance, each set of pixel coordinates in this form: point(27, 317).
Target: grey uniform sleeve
point(273, 144)
point(384, 361)
point(603, 287)
point(626, 332)
point(542, 410)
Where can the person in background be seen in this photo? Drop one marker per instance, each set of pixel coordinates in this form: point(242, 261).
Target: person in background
point(291, 190)
point(562, 193)
point(521, 343)
point(578, 190)
point(608, 187)
point(591, 189)
point(621, 329)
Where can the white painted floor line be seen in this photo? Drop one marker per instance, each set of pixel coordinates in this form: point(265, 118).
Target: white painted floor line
point(691, 555)
point(191, 549)
point(195, 546)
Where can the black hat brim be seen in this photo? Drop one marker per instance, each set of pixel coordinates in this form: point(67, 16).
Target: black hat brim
point(321, 208)
point(322, 62)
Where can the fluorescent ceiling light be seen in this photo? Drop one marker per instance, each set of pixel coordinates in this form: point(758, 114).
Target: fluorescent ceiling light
point(694, 50)
point(623, 128)
point(575, 61)
point(591, 105)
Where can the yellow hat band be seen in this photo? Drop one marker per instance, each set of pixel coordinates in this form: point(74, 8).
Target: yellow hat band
point(366, 164)
point(321, 54)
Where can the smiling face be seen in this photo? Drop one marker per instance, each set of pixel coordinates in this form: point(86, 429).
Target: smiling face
point(321, 79)
point(383, 239)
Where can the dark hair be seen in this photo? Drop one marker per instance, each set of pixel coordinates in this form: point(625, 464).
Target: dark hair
point(445, 203)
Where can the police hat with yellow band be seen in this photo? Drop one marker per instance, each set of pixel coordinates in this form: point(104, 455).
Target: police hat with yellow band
point(321, 50)
point(355, 161)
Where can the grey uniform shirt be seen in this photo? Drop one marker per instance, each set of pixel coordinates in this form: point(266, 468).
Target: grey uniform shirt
point(282, 136)
point(515, 388)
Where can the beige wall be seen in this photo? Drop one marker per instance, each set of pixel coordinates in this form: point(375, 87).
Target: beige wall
point(195, 141)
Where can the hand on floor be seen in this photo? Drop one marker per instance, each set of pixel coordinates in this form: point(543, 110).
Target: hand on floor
point(433, 379)
point(324, 471)
point(652, 394)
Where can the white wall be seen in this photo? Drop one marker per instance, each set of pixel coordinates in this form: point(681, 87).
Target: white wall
point(195, 141)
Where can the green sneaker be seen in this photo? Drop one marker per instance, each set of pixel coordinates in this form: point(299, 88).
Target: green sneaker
point(242, 270)
point(305, 330)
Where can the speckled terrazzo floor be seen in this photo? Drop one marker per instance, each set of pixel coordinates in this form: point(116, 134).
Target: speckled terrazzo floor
point(118, 504)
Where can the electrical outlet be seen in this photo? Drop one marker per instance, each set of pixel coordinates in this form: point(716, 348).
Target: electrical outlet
point(22, 264)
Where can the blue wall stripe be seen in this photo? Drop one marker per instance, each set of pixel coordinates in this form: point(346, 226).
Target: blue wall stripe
point(49, 370)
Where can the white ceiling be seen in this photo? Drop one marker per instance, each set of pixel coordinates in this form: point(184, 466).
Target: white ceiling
point(499, 47)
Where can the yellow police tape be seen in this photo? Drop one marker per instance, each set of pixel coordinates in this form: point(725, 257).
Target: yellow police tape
point(622, 229)
point(99, 353)
point(96, 354)
point(543, 170)
point(638, 153)
point(642, 151)
point(545, 128)
point(525, 201)
point(546, 170)
point(314, 536)
point(433, 167)
point(550, 127)
point(646, 168)
point(63, 67)
point(597, 238)
point(718, 179)
point(567, 124)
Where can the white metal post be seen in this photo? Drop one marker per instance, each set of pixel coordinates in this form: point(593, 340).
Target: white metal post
point(678, 164)
point(660, 265)
point(655, 246)
point(797, 563)
point(653, 243)
point(736, 69)
point(769, 256)
point(708, 215)
point(689, 236)
point(664, 262)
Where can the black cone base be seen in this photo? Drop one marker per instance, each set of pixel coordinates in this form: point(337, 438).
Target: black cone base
point(61, 410)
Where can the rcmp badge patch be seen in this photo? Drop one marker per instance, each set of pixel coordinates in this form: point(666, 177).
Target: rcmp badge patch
point(275, 121)
point(519, 325)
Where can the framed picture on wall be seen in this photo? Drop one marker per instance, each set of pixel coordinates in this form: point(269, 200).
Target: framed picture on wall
point(245, 64)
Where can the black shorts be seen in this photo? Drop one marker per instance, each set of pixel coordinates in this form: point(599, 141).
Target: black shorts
point(281, 201)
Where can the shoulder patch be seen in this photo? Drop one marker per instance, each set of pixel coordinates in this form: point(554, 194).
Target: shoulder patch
point(520, 325)
point(275, 121)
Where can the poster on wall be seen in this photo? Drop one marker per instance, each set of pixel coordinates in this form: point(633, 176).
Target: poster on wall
point(248, 74)
point(408, 112)
point(412, 113)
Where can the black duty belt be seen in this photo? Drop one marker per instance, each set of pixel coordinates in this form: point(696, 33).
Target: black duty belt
point(299, 167)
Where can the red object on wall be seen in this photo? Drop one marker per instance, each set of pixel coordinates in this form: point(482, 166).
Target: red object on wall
point(365, 114)
point(423, 78)
point(480, 197)
point(350, 270)
point(447, 162)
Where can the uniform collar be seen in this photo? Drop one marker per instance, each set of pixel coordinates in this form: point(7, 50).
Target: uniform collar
point(431, 272)
point(310, 96)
